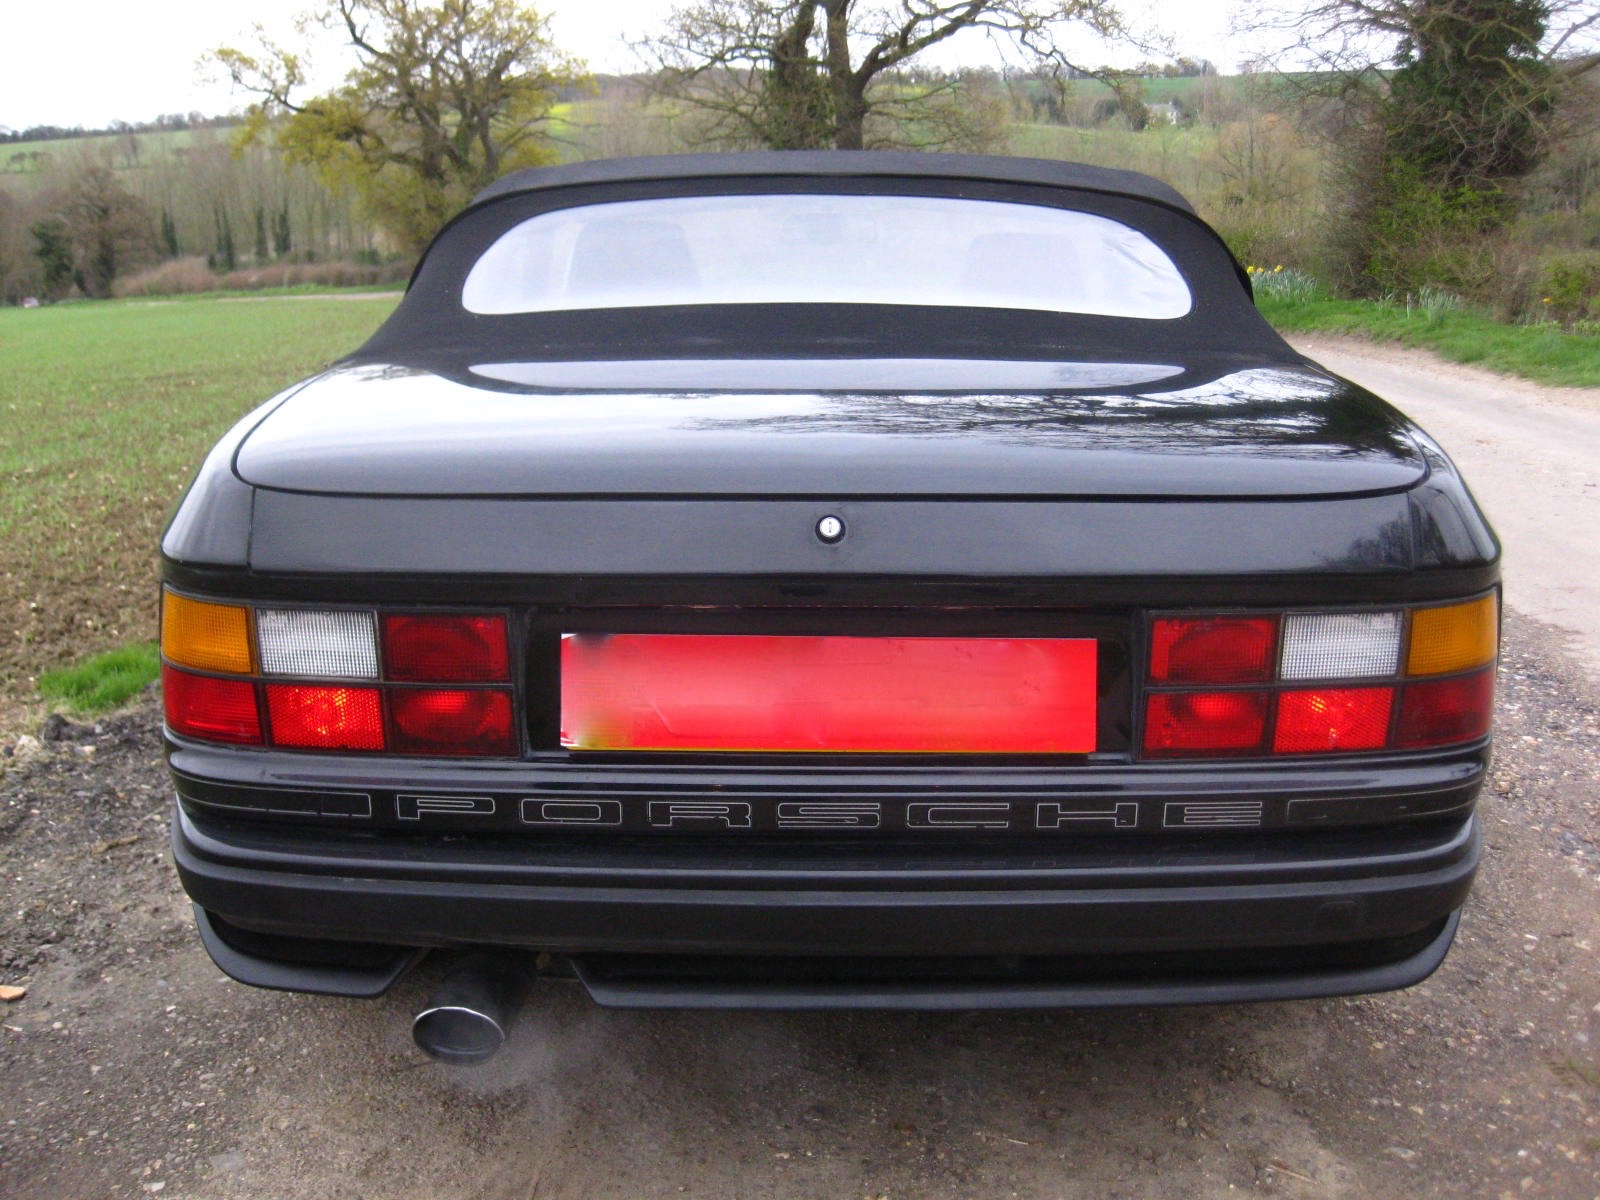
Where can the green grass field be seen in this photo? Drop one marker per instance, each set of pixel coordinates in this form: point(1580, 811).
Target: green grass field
point(108, 409)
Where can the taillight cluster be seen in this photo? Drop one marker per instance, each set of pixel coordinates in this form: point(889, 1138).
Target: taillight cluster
point(1276, 683)
point(338, 679)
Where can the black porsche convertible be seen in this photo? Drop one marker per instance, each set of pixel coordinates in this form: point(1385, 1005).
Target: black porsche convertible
point(813, 579)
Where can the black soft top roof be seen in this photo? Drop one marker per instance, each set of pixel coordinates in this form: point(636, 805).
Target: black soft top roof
point(432, 330)
point(844, 163)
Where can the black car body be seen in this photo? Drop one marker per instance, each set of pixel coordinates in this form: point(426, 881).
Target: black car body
point(831, 579)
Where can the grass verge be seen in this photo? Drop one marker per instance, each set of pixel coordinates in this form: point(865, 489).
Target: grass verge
point(104, 681)
point(1542, 353)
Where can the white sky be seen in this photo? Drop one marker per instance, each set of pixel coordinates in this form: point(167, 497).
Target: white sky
point(91, 62)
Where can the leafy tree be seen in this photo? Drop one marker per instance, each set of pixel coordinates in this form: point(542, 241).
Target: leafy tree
point(93, 230)
point(53, 247)
point(1448, 106)
point(169, 235)
point(806, 74)
point(445, 98)
point(1466, 104)
point(21, 272)
point(226, 256)
point(282, 242)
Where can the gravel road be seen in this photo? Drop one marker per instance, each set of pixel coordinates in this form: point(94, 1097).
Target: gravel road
point(132, 1068)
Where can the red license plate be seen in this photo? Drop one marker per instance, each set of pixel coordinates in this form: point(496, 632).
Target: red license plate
point(938, 695)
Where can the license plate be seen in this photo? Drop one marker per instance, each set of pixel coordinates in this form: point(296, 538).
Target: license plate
point(933, 695)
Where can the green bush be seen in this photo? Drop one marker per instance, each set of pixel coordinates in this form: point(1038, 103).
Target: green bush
point(1569, 288)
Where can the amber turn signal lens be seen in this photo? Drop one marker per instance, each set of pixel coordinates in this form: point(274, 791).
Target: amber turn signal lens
point(1456, 638)
point(207, 637)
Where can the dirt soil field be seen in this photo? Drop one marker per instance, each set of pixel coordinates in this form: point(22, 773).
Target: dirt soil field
point(132, 1068)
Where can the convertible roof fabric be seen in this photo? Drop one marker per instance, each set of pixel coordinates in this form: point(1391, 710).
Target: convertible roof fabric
point(842, 163)
point(432, 330)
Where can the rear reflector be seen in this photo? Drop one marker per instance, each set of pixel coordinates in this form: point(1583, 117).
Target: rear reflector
point(1332, 719)
point(1212, 649)
point(451, 721)
point(435, 649)
point(325, 718)
point(207, 637)
point(1449, 710)
point(219, 710)
point(1205, 723)
point(318, 644)
point(819, 694)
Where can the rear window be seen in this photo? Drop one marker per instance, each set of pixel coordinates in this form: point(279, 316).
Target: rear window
point(807, 249)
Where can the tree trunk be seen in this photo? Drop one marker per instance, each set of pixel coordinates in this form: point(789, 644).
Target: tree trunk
point(795, 104)
point(850, 122)
point(849, 93)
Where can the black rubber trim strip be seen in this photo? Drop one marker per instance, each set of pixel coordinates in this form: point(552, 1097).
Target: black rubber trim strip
point(324, 980)
point(1385, 977)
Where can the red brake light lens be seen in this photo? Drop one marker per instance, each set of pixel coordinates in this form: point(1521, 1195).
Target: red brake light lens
point(1205, 723)
point(1332, 719)
point(435, 649)
point(1212, 649)
point(453, 721)
point(1451, 710)
point(218, 710)
point(325, 718)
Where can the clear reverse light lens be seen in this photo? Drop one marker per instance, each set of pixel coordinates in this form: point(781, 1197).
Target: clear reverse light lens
point(1341, 645)
point(324, 645)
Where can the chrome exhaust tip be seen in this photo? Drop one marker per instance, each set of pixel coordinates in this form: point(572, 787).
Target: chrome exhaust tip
point(470, 1014)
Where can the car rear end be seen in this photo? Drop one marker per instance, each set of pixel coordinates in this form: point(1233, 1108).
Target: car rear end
point(929, 642)
point(837, 788)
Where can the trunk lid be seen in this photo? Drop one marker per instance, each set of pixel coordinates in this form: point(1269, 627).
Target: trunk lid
point(1053, 430)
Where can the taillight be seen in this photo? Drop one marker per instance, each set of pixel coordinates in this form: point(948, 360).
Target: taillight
point(216, 710)
point(323, 679)
point(436, 649)
point(1320, 682)
point(311, 717)
point(1205, 723)
point(1453, 638)
point(207, 637)
point(440, 721)
point(1332, 719)
point(1445, 711)
point(1212, 649)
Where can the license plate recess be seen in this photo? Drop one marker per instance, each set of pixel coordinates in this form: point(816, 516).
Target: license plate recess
point(828, 694)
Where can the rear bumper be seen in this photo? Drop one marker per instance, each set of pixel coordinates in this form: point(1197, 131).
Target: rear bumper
point(1182, 921)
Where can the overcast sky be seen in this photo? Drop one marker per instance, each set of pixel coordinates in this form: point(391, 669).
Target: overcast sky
point(116, 60)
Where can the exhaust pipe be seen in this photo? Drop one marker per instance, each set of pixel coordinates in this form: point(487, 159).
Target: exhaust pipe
point(468, 1018)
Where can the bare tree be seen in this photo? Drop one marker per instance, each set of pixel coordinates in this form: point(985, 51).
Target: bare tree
point(807, 74)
